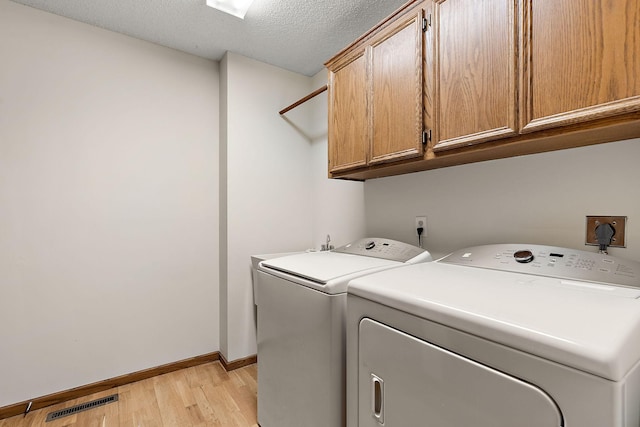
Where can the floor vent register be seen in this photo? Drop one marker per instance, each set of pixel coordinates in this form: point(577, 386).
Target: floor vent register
point(82, 407)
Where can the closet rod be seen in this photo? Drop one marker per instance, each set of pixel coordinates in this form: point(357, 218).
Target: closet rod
point(303, 100)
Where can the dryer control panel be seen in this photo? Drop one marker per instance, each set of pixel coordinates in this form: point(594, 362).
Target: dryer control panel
point(386, 249)
point(550, 261)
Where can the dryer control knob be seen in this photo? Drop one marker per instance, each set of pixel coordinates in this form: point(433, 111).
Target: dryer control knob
point(524, 256)
point(370, 245)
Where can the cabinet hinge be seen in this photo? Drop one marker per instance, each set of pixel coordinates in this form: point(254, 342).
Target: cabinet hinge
point(426, 136)
point(426, 23)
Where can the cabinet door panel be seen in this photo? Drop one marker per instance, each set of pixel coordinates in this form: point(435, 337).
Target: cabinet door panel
point(396, 92)
point(581, 61)
point(348, 120)
point(476, 63)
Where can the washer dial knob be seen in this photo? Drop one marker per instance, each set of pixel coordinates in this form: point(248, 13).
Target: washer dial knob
point(370, 245)
point(523, 256)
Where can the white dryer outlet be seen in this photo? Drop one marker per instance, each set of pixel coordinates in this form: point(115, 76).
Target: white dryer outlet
point(421, 222)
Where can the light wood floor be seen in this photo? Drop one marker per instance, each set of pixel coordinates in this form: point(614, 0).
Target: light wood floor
point(204, 395)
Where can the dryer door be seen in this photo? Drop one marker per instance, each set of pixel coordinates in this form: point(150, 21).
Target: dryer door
point(407, 382)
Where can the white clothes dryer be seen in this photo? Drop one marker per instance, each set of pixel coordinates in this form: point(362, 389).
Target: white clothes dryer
point(496, 336)
point(301, 303)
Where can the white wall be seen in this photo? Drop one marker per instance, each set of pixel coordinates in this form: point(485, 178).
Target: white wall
point(267, 186)
point(108, 204)
point(120, 212)
point(277, 197)
point(338, 207)
point(540, 198)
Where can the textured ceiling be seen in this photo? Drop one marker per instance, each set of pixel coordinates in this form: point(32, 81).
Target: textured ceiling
point(298, 35)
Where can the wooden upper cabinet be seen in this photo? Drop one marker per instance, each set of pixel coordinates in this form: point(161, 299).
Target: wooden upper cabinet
point(476, 71)
point(396, 91)
point(376, 96)
point(581, 61)
point(348, 113)
point(486, 79)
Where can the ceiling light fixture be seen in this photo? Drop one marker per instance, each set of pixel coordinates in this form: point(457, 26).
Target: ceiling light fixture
point(232, 7)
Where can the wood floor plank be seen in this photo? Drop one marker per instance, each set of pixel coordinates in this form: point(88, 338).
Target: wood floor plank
point(173, 409)
point(200, 396)
point(138, 405)
point(206, 409)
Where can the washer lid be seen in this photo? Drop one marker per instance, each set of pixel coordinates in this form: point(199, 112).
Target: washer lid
point(575, 323)
point(327, 270)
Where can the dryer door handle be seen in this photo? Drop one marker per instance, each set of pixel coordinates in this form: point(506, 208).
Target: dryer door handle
point(377, 398)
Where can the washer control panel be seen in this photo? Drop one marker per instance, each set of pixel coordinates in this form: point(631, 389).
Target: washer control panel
point(385, 249)
point(550, 261)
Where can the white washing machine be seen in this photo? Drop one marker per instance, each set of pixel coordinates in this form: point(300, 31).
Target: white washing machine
point(496, 336)
point(301, 302)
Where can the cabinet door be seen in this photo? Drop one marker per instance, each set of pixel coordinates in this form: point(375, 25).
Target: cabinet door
point(581, 61)
point(396, 91)
point(476, 78)
point(348, 118)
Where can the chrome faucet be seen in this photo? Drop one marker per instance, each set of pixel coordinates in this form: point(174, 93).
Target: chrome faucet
point(328, 246)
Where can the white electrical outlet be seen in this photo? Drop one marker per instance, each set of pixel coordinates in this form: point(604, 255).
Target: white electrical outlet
point(421, 222)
